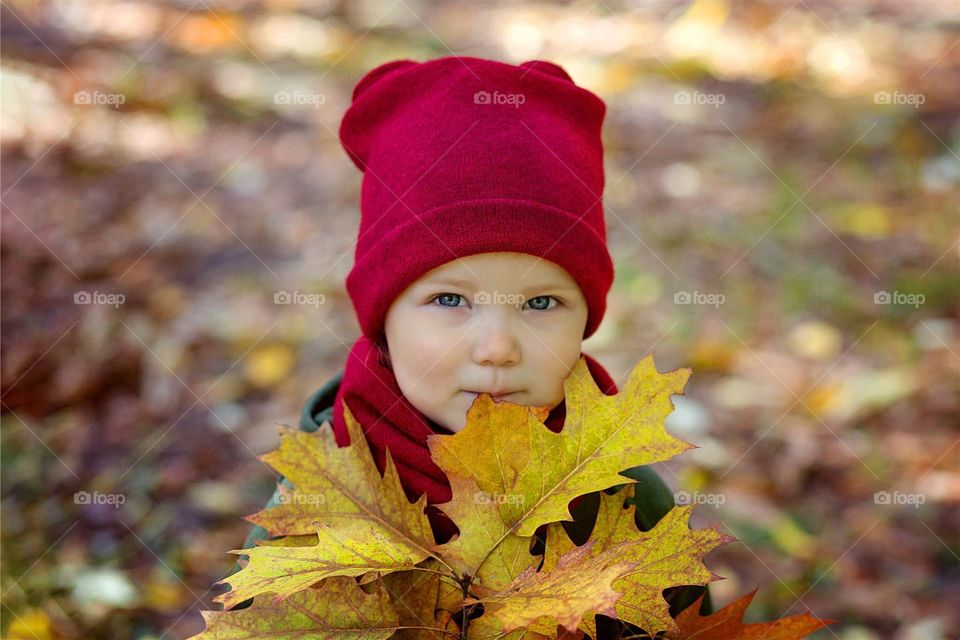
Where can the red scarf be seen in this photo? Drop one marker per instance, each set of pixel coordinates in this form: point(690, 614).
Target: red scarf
point(389, 420)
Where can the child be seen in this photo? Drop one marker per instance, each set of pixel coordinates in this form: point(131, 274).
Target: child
point(481, 263)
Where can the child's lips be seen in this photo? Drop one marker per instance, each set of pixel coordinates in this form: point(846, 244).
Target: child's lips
point(495, 396)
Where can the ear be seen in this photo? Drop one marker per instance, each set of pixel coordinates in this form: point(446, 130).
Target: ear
point(377, 73)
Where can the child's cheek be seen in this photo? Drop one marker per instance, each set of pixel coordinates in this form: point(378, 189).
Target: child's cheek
point(431, 337)
point(424, 346)
point(423, 356)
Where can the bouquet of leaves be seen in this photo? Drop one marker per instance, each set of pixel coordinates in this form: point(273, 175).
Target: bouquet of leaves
point(354, 558)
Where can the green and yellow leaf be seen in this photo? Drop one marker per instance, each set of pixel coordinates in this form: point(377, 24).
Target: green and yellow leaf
point(578, 583)
point(526, 474)
point(337, 608)
point(340, 486)
point(286, 570)
point(670, 554)
point(424, 599)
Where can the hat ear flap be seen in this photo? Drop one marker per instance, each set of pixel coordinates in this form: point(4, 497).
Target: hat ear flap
point(548, 68)
point(376, 73)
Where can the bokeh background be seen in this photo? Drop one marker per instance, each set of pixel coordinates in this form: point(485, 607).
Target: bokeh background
point(782, 202)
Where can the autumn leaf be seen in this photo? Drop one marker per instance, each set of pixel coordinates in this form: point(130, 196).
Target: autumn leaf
point(493, 551)
point(308, 540)
point(727, 624)
point(338, 608)
point(362, 522)
point(339, 486)
point(670, 554)
point(527, 474)
point(484, 628)
point(579, 582)
point(285, 570)
point(424, 601)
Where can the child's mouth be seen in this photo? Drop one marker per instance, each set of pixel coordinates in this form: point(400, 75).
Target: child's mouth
point(496, 396)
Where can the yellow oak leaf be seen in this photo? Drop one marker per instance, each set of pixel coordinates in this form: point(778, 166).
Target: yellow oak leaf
point(484, 628)
point(285, 570)
point(489, 551)
point(668, 555)
point(518, 475)
point(364, 522)
point(339, 486)
point(337, 608)
point(426, 601)
point(579, 582)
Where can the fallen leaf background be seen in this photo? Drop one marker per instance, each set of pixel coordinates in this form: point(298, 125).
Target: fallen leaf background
point(826, 417)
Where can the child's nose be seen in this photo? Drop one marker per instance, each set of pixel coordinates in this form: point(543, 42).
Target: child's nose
point(497, 346)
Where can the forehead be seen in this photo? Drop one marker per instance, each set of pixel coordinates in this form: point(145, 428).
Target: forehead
point(519, 268)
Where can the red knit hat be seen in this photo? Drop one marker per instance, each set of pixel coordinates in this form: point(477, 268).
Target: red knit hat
point(462, 156)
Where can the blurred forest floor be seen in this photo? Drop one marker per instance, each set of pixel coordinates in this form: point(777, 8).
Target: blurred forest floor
point(168, 167)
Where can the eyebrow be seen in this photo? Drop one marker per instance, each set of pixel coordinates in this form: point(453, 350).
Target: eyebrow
point(466, 284)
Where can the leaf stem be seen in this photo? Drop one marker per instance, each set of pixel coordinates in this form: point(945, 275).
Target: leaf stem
point(449, 576)
point(441, 561)
point(465, 581)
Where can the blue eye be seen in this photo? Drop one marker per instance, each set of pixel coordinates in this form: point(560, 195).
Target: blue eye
point(455, 296)
point(541, 303)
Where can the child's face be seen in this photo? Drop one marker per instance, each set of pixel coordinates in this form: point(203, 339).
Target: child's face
point(514, 323)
